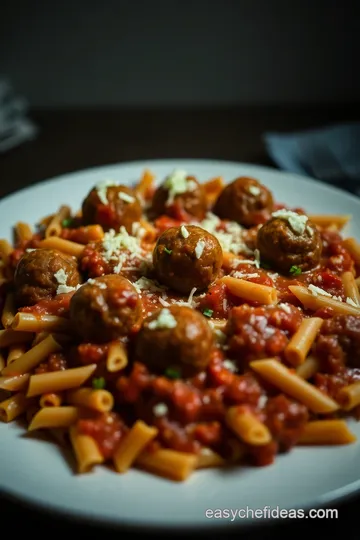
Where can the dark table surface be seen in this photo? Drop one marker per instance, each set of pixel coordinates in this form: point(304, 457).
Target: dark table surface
point(70, 140)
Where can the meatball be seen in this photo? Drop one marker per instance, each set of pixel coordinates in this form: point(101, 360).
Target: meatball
point(178, 338)
point(245, 201)
point(186, 257)
point(178, 194)
point(111, 206)
point(289, 239)
point(105, 308)
point(39, 273)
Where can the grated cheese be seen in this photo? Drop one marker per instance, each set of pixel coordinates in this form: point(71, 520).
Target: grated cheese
point(351, 302)
point(262, 401)
point(113, 244)
point(317, 290)
point(177, 183)
point(199, 248)
point(163, 302)
point(185, 233)
point(254, 190)
point(126, 197)
point(160, 409)
point(164, 320)
point(257, 258)
point(230, 239)
point(286, 308)
point(101, 189)
point(228, 364)
point(296, 221)
point(146, 284)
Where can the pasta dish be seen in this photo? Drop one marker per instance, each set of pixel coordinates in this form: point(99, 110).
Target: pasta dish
point(175, 325)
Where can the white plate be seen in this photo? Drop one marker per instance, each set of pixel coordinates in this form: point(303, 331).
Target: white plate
point(37, 471)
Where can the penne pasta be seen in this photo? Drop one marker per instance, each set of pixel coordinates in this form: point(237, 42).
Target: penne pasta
point(313, 302)
point(325, 221)
point(50, 400)
point(15, 351)
point(353, 248)
point(169, 463)
point(13, 407)
point(33, 357)
point(26, 322)
point(209, 459)
point(56, 381)
point(351, 289)
point(23, 232)
point(54, 227)
point(349, 396)
point(131, 446)
point(117, 357)
point(9, 310)
point(213, 188)
point(9, 337)
point(149, 233)
point(247, 426)
point(86, 450)
point(253, 292)
point(40, 336)
point(98, 400)
point(65, 246)
point(229, 260)
point(14, 383)
point(293, 385)
point(308, 368)
point(2, 362)
point(5, 250)
point(54, 417)
point(326, 432)
point(301, 342)
point(146, 184)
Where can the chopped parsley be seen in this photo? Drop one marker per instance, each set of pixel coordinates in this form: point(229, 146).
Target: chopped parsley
point(168, 251)
point(265, 265)
point(173, 373)
point(208, 312)
point(98, 383)
point(66, 223)
point(295, 270)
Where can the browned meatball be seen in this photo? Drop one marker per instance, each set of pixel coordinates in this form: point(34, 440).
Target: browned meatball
point(178, 194)
point(176, 337)
point(105, 308)
point(245, 201)
point(111, 206)
point(186, 257)
point(39, 273)
point(286, 242)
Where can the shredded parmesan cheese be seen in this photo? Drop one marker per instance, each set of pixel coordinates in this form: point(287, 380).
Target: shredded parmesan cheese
point(177, 183)
point(160, 409)
point(286, 308)
point(254, 190)
point(296, 221)
point(199, 248)
point(126, 197)
point(185, 233)
point(101, 189)
point(228, 364)
point(318, 291)
point(230, 239)
point(164, 320)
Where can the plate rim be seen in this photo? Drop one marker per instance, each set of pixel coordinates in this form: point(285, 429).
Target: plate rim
point(338, 495)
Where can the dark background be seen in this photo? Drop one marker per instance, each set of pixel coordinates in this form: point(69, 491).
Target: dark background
point(114, 81)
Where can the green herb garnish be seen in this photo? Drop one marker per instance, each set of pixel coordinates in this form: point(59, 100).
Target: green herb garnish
point(98, 383)
point(266, 266)
point(168, 251)
point(66, 223)
point(295, 270)
point(208, 312)
point(173, 373)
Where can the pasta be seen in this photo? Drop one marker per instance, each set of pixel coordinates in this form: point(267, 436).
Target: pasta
point(169, 329)
point(302, 340)
point(251, 291)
